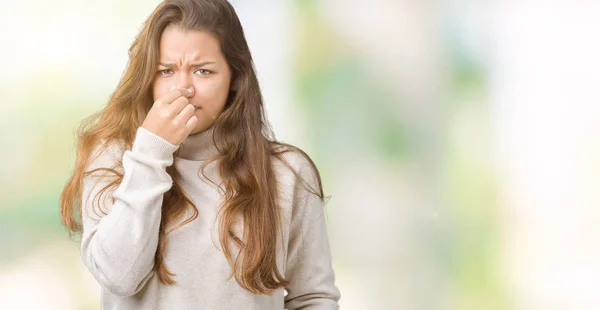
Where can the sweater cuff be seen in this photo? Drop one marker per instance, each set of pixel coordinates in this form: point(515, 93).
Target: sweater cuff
point(149, 143)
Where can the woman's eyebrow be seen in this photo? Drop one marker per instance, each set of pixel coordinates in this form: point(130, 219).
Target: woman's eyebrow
point(200, 64)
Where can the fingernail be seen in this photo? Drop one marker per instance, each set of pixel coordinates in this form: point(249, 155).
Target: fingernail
point(172, 87)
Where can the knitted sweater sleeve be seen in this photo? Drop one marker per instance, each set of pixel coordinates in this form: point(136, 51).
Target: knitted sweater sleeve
point(120, 227)
point(308, 266)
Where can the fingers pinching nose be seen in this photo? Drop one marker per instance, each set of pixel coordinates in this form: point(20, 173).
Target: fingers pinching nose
point(187, 92)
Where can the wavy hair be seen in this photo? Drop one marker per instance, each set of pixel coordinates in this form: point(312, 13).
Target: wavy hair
point(242, 133)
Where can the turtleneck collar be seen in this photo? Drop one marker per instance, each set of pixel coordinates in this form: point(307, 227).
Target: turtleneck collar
point(199, 146)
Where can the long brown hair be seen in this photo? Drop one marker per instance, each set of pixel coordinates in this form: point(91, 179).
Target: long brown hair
point(242, 134)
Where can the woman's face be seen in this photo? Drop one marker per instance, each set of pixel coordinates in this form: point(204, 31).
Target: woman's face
point(192, 59)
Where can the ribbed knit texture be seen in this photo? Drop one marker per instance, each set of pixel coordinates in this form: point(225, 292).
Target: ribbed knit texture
point(120, 233)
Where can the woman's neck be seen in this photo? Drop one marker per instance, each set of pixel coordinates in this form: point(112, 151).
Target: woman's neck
point(199, 146)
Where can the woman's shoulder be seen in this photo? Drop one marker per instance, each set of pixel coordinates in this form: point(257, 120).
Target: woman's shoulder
point(293, 155)
point(106, 154)
point(295, 162)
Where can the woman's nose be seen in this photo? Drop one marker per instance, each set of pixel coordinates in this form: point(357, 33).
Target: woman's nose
point(185, 83)
point(187, 91)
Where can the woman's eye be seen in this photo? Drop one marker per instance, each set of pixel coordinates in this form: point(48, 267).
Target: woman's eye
point(202, 72)
point(165, 72)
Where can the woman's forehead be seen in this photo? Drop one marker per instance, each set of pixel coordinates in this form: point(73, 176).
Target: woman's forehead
point(193, 45)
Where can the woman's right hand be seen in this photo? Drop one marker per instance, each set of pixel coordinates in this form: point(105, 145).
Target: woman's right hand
point(171, 117)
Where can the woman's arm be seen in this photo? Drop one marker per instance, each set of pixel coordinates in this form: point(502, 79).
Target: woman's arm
point(308, 268)
point(118, 246)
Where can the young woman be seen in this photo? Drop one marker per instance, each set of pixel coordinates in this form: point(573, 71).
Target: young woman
point(183, 198)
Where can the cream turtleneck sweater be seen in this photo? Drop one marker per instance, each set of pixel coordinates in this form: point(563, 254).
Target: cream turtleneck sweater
point(120, 240)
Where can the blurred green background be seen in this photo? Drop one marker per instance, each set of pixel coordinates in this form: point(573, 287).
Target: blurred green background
point(458, 140)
